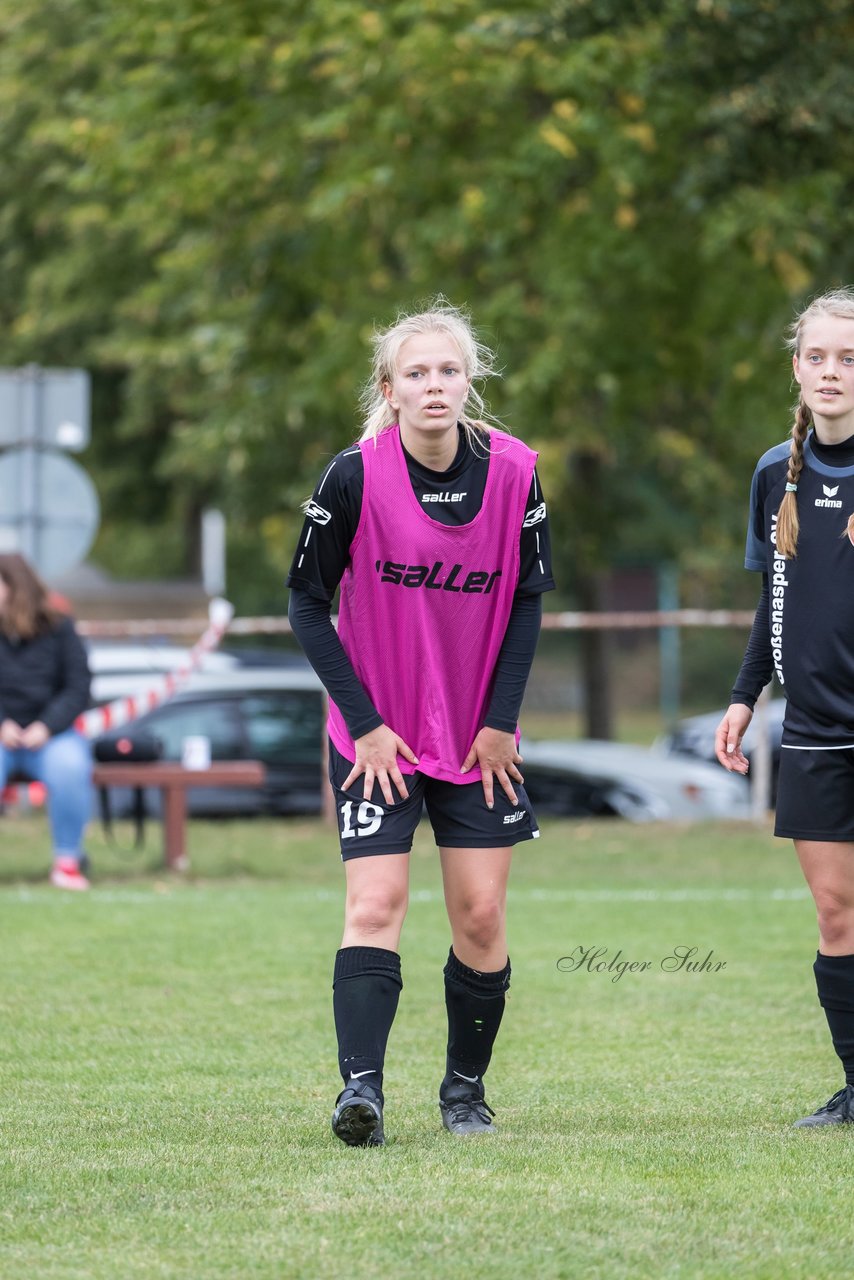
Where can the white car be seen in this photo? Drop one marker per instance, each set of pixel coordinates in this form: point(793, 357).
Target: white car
point(120, 669)
point(695, 737)
point(575, 777)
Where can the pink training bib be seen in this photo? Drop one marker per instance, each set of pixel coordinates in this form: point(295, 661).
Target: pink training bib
point(424, 606)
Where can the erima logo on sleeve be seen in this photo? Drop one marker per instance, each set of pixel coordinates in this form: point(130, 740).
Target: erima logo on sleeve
point(829, 496)
point(535, 516)
point(317, 513)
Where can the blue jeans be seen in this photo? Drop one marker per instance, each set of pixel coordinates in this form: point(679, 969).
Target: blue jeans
point(64, 766)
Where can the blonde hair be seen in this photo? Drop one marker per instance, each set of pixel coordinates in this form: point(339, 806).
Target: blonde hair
point(478, 362)
point(838, 303)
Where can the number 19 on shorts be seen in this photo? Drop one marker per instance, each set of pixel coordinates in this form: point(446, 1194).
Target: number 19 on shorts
point(367, 819)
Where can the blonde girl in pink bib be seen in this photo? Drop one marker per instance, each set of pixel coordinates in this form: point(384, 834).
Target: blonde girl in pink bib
point(435, 529)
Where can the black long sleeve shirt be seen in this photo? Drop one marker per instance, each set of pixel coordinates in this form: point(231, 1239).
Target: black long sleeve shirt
point(757, 666)
point(46, 678)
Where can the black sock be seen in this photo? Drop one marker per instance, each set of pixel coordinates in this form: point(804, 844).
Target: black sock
point(475, 1004)
point(834, 978)
point(365, 991)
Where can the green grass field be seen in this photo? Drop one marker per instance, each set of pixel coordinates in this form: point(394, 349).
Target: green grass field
point(167, 1069)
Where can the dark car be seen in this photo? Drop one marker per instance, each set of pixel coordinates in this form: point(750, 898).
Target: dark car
point(695, 736)
point(271, 714)
point(275, 714)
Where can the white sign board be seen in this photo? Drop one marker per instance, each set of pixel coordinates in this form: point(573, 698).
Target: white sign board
point(63, 497)
point(48, 407)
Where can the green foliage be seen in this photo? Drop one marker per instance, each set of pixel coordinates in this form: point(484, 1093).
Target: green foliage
point(210, 206)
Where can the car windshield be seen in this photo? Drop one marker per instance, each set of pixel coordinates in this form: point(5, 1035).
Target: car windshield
point(283, 727)
point(216, 721)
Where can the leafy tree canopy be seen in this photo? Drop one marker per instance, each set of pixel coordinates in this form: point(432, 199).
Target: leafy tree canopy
point(210, 206)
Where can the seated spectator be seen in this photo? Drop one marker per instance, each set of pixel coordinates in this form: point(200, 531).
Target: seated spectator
point(44, 686)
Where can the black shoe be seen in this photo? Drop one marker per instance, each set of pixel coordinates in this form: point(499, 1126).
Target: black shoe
point(838, 1110)
point(464, 1109)
point(358, 1115)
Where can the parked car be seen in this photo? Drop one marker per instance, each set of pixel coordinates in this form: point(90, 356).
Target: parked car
point(120, 668)
point(609, 778)
point(275, 715)
point(695, 736)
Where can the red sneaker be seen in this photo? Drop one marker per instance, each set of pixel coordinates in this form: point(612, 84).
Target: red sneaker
point(66, 874)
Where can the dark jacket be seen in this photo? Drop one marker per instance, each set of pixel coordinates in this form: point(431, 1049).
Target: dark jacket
point(46, 678)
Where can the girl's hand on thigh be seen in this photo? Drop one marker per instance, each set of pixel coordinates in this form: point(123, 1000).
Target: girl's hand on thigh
point(376, 758)
point(497, 755)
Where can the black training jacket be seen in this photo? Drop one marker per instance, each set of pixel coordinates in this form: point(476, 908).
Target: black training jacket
point(46, 678)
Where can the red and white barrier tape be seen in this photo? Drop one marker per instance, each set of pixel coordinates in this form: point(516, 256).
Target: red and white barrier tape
point(618, 621)
point(100, 719)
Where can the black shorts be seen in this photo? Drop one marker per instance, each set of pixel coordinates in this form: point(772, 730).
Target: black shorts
point(815, 794)
point(457, 812)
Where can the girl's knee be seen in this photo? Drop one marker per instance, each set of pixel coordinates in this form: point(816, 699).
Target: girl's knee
point(481, 922)
point(66, 761)
point(376, 909)
point(835, 919)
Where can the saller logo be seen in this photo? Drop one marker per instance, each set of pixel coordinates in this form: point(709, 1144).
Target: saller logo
point(436, 577)
point(317, 513)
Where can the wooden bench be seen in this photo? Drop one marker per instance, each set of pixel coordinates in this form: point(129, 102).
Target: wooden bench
point(173, 781)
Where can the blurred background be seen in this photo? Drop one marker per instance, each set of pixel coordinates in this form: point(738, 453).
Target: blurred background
point(208, 208)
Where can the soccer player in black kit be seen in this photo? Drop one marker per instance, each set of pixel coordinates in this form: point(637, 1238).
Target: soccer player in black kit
point(801, 539)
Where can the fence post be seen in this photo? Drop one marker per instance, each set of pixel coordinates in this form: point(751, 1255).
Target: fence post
point(760, 760)
point(669, 642)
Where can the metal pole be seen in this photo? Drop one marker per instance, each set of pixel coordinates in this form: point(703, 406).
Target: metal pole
point(213, 551)
point(669, 645)
point(760, 760)
point(29, 540)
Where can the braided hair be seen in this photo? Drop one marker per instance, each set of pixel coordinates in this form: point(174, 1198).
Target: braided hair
point(788, 523)
point(840, 303)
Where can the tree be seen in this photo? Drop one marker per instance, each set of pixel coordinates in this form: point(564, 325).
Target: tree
point(211, 207)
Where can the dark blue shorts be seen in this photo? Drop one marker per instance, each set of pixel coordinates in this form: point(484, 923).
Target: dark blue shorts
point(815, 794)
point(457, 812)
